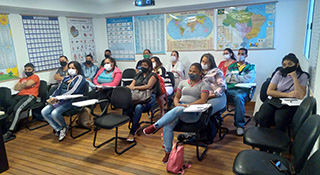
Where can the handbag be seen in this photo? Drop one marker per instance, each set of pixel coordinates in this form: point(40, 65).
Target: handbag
point(276, 102)
point(176, 160)
point(141, 97)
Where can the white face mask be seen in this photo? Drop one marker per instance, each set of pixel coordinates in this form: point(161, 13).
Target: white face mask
point(204, 66)
point(241, 58)
point(72, 72)
point(107, 67)
point(154, 65)
point(173, 58)
point(227, 57)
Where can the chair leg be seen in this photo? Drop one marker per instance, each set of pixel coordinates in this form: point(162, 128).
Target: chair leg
point(81, 134)
point(36, 127)
point(116, 142)
point(197, 144)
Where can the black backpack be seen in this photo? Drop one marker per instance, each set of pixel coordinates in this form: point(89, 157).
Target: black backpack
point(208, 134)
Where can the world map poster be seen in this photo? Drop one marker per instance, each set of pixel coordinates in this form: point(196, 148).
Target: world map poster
point(190, 30)
point(251, 27)
point(8, 66)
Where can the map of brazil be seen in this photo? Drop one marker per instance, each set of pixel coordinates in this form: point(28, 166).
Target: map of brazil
point(251, 27)
point(190, 30)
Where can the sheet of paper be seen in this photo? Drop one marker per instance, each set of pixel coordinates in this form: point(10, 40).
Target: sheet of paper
point(64, 97)
point(197, 108)
point(245, 85)
point(291, 101)
point(85, 103)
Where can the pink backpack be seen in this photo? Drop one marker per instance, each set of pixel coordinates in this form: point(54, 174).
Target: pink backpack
point(176, 160)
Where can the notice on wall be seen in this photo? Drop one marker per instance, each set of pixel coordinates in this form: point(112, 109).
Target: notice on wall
point(8, 66)
point(149, 33)
point(190, 30)
point(81, 38)
point(43, 41)
point(120, 38)
point(251, 27)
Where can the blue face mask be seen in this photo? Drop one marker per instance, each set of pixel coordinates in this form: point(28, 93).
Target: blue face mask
point(193, 76)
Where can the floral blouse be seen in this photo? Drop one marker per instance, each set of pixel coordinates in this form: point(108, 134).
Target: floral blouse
point(216, 80)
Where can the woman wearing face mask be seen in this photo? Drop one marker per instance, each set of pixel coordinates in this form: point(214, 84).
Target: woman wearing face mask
point(289, 81)
point(147, 54)
point(191, 91)
point(144, 80)
point(176, 68)
point(108, 75)
point(73, 84)
point(230, 58)
point(215, 79)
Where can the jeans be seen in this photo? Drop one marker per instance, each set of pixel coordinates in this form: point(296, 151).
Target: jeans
point(218, 103)
point(54, 115)
point(171, 119)
point(139, 108)
point(239, 98)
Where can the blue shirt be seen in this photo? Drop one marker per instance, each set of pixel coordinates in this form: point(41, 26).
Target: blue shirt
point(105, 77)
point(89, 72)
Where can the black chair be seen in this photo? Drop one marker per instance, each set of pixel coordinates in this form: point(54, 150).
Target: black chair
point(120, 98)
point(196, 128)
point(258, 162)
point(222, 131)
point(312, 165)
point(275, 140)
point(128, 73)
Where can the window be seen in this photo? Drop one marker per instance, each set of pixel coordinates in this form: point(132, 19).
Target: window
point(307, 41)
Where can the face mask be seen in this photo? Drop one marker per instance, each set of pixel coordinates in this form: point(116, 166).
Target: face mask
point(107, 67)
point(193, 76)
point(173, 58)
point(204, 66)
point(88, 62)
point(63, 63)
point(284, 71)
point(241, 58)
point(227, 57)
point(146, 56)
point(72, 72)
point(154, 65)
point(106, 55)
point(28, 74)
point(144, 70)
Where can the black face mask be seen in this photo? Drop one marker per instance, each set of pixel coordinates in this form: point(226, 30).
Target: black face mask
point(144, 70)
point(193, 76)
point(88, 62)
point(28, 74)
point(106, 55)
point(284, 71)
point(63, 63)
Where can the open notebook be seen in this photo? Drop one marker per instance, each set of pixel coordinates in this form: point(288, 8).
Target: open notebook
point(65, 97)
point(197, 108)
point(85, 103)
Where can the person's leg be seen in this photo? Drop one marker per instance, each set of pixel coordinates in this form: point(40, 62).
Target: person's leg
point(46, 113)
point(170, 116)
point(265, 115)
point(136, 118)
point(57, 116)
point(218, 103)
point(239, 101)
point(284, 116)
point(161, 102)
point(168, 134)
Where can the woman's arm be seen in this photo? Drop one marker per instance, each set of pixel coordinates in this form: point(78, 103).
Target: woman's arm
point(202, 100)
point(152, 81)
point(177, 98)
point(297, 86)
point(115, 81)
point(274, 93)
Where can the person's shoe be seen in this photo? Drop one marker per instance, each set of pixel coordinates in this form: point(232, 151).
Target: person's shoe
point(130, 138)
point(240, 131)
point(63, 133)
point(149, 130)
point(56, 133)
point(166, 157)
point(7, 136)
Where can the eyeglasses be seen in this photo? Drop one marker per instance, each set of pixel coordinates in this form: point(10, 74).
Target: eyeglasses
point(241, 54)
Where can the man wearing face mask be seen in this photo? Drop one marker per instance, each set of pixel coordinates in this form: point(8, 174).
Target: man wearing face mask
point(63, 70)
point(89, 69)
point(107, 54)
point(240, 72)
point(28, 92)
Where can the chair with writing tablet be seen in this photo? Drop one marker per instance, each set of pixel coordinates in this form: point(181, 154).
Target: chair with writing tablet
point(127, 76)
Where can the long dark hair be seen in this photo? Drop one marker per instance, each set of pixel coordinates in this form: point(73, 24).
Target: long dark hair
point(148, 61)
point(292, 57)
point(157, 59)
point(77, 66)
point(210, 60)
point(231, 52)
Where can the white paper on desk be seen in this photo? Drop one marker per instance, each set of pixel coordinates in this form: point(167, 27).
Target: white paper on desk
point(245, 85)
point(85, 103)
point(65, 97)
point(127, 79)
point(105, 87)
point(197, 108)
point(291, 101)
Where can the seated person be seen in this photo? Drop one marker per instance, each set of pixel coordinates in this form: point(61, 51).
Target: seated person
point(147, 54)
point(191, 91)
point(60, 74)
point(107, 54)
point(215, 79)
point(229, 59)
point(290, 81)
point(240, 72)
point(28, 88)
point(89, 70)
point(176, 68)
point(144, 80)
point(75, 83)
point(108, 75)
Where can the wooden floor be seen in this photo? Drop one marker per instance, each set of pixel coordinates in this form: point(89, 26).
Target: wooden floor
point(39, 152)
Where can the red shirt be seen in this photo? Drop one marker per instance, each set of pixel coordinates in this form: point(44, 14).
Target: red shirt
point(223, 68)
point(34, 90)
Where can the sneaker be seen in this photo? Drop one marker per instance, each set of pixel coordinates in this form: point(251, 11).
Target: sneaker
point(130, 138)
point(149, 130)
point(240, 131)
point(63, 133)
point(166, 157)
point(56, 133)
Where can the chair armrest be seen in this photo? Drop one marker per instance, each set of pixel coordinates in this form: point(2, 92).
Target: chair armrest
point(205, 116)
point(105, 110)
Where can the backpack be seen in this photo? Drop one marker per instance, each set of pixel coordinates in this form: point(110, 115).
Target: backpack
point(176, 160)
point(208, 134)
point(85, 119)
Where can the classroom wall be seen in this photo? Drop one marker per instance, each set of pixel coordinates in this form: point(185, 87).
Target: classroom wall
point(289, 34)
